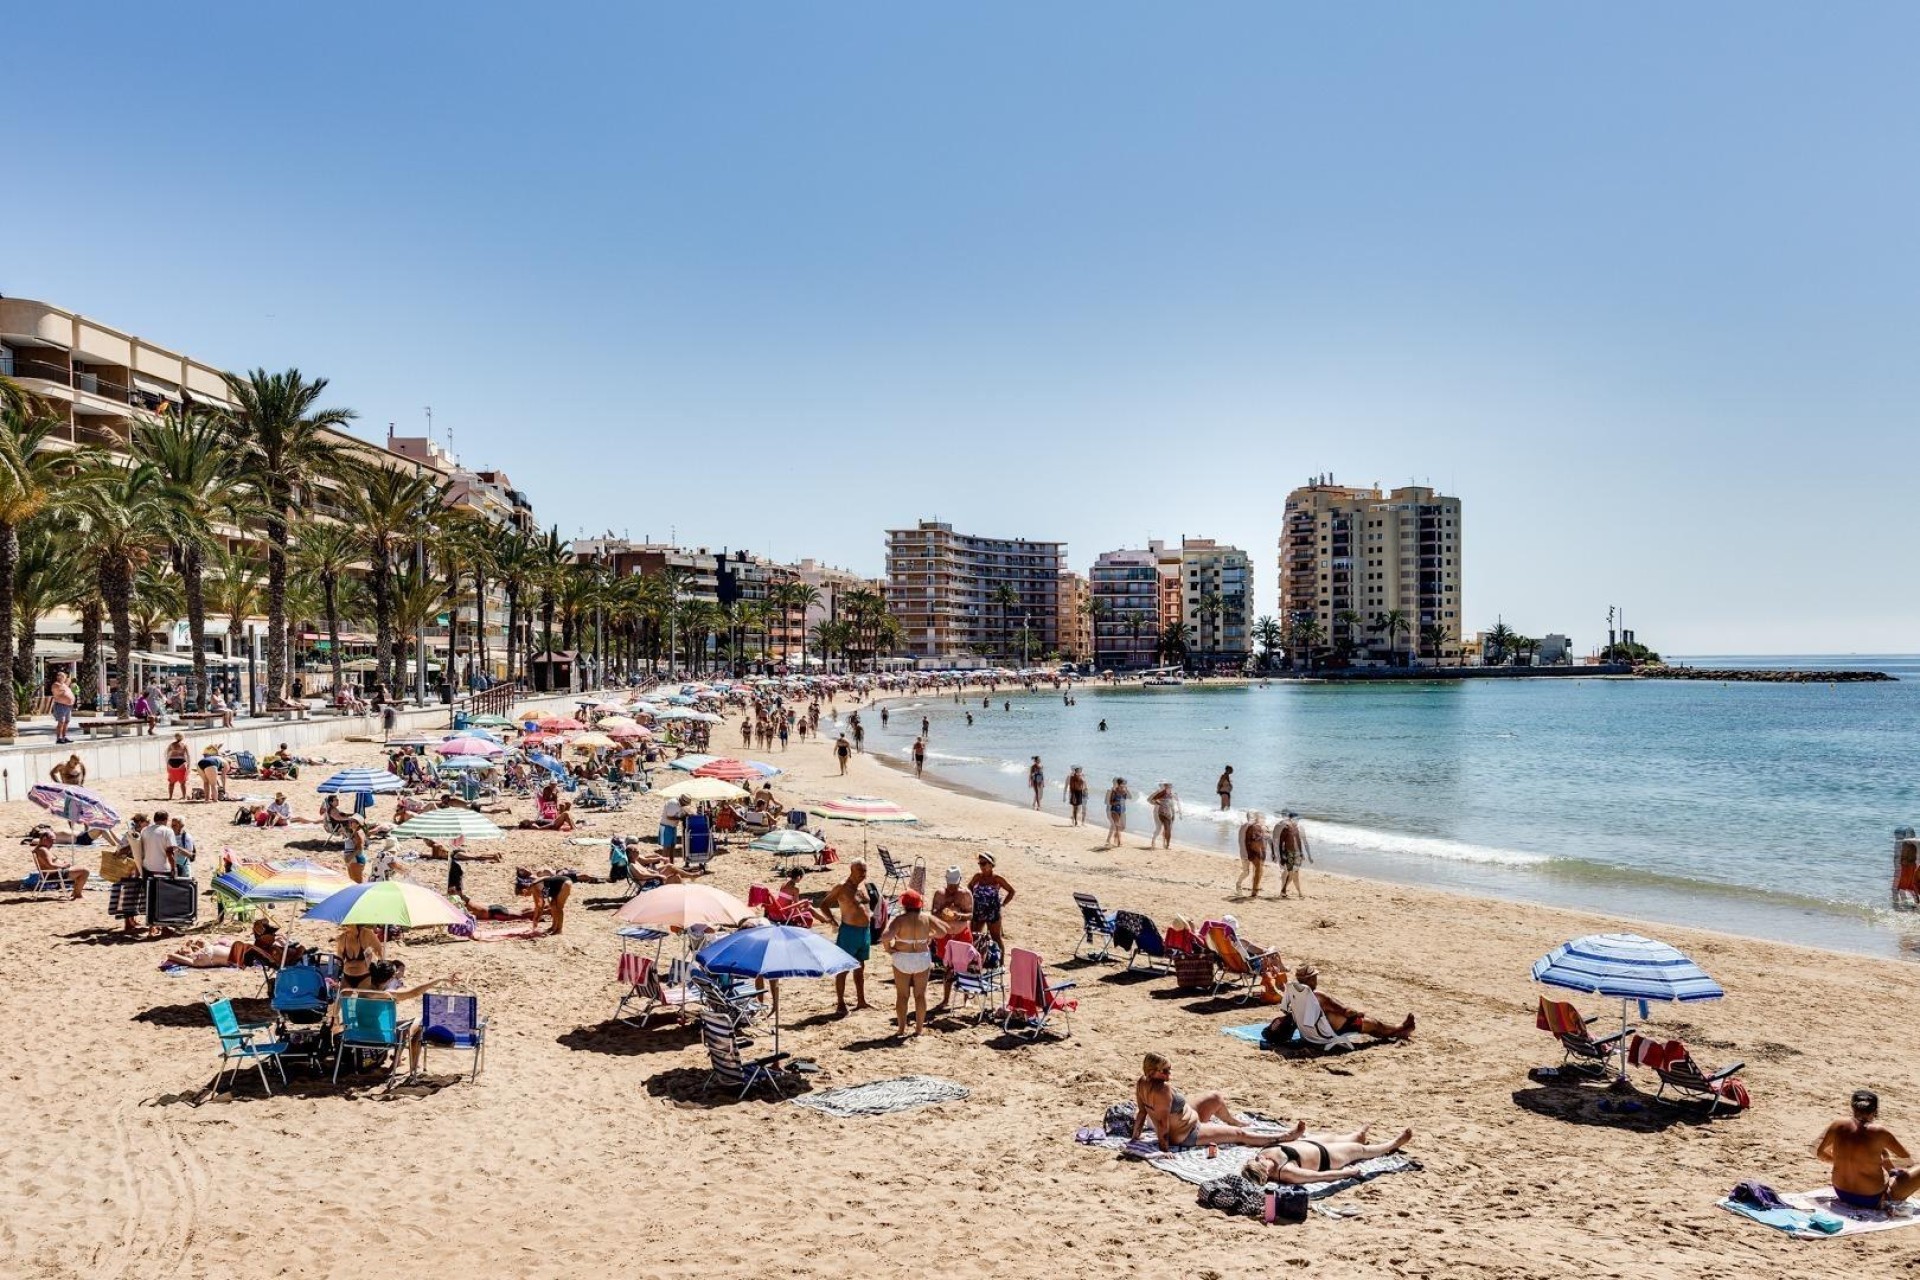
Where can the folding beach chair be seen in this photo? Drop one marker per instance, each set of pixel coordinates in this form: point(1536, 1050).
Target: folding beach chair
point(726, 995)
point(371, 1026)
point(696, 859)
point(300, 995)
point(454, 1022)
point(1029, 996)
point(48, 880)
point(699, 839)
point(1300, 1003)
point(894, 877)
point(673, 993)
point(1673, 1062)
point(721, 1036)
point(1096, 928)
point(1140, 936)
point(1238, 964)
point(241, 1045)
point(1567, 1026)
point(973, 981)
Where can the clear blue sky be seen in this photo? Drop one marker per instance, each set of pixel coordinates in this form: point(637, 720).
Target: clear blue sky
point(1637, 281)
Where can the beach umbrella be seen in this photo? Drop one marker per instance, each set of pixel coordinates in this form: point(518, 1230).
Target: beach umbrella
point(363, 782)
point(1626, 967)
point(413, 740)
point(592, 742)
point(548, 763)
point(610, 708)
point(679, 906)
point(473, 731)
point(609, 723)
point(559, 724)
point(773, 952)
point(731, 770)
point(788, 840)
point(76, 804)
point(453, 764)
point(494, 722)
point(298, 881)
point(691, 761)
point(400, 903)
point(863, 809)
point(704, 717)
point(630, 732)
point(698, 789)
point(448, 824)
point(470, 747)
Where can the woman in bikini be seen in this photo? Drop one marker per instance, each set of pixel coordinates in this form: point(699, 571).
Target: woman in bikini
point(1179, 1124)
point(908, 940)
point(360, 947)
point(1117, 797)
point(1166, 806)
point(1321, 1157)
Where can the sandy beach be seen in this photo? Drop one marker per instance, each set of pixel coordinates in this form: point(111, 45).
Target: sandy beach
point(587, 1148)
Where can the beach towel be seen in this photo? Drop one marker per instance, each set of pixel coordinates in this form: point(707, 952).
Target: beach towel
point(1254, 1033)
point(1196, 1167)
point(1797, 1219)
point(1300, 1002)
point(882, 1097)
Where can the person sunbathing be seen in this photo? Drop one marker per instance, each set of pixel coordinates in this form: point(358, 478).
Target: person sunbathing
point(1180, 1124)
point(1318, 1157)
point(51, 867)
point(1862, 1152)
point(493, 910)
point(1336, 1018)
point(266, 948)
point(202, 953)
point(437, 852)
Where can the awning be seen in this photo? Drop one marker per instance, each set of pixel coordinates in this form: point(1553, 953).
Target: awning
point(162, 659)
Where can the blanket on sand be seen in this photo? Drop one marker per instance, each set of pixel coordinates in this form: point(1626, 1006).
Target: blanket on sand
point(1197, 1167)
point(881, 1097)
point(1795, 1220)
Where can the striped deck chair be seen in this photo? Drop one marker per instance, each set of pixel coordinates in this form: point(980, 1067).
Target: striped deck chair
point(1031, 997)
point(634, 969)
point(1570, 1029)
point(721, 1036)
point(973, 982)
point(1096, 928)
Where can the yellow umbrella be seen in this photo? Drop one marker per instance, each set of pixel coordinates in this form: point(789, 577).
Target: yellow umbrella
point(702, 789)
point(592, 741)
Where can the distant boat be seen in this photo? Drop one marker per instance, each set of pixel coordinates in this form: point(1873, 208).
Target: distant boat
point(1164, 678)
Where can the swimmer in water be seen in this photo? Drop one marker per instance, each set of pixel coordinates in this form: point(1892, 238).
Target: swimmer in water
point(1103, 726)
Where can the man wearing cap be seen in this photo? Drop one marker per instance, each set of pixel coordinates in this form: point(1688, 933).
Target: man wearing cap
point(952, 911)
point(1862, 1152)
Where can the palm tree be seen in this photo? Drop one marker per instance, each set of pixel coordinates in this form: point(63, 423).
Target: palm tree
point(35, 478)
point(1500, 642)
point(1005, 598)
point(327, 553)
point(388, 509)
point(1346, 624)
point(158, 598)
point(1136, 623)
point(1395, 623)
point(551, 560)
point(1209, 609)
point(1267, 634)
point(1308, 635)
point(288, 446)
point(234, 585)
point(1433, 640)
point(193, 456)
point(513, 568)
point(121, 510)
point(416, 598)
point(831, 636)
point(1097, 611)
point(795, 597)
point(46, 576)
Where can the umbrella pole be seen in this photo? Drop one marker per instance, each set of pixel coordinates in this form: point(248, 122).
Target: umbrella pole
point(1623, 1044)
point(774, 985)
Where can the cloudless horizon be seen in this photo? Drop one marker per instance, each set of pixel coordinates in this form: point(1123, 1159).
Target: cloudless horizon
point(1635, 282)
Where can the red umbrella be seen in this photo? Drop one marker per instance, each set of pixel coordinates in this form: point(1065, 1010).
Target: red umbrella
point(560, 724)
point(729, 769)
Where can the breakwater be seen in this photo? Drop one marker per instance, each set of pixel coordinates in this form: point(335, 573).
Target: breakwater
point(1763, 675)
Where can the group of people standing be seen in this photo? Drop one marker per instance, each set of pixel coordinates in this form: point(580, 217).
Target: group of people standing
point(1285, 843)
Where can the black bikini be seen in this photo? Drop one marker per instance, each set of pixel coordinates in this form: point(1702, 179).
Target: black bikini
point(1326, 1161)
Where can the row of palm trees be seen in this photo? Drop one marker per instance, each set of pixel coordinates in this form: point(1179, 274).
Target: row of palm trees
point(268, 508)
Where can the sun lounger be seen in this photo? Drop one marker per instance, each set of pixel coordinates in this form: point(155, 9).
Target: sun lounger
point(721, 1036)
point(1096, 928)
point(1674, 1064)
point(1567, 1026)
point(1031, 997)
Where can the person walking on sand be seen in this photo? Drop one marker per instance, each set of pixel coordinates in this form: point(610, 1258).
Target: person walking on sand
point(1862, 1152)
point(63, 701)
point(843, 752)
point(1036, 779)
point(1076, 791)
point(856, 899)
point(1253, 851)
point(1224, 788)
point(1117, 797)
point(179, 755)
point(919, 756)
point(1290, 849)
point(1166, 806)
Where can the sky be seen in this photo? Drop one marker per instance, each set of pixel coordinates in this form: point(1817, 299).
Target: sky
point(1636, 281)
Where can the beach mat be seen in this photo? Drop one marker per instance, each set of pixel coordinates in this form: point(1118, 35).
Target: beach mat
point(1250, 1033)
point(882, 1097)
point(1196, 1167)
point(1794, 1221)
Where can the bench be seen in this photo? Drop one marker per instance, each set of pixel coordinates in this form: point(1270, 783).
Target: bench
point(297, 710)
point(200, 719)
point(111, 728)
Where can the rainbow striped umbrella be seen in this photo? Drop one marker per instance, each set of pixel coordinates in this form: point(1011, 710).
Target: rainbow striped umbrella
point(297, 881)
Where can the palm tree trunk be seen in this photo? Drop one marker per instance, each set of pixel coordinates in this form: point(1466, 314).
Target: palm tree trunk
point(193, 578)
point(88, 693)
point(480, 618)
point(276, 602)
point(10, 704)
point(385, 653)
point(116, 589)
point(25, 624)
point(330, 596)
point(513, 626)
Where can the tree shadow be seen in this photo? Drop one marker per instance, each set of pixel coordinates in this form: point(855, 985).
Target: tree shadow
point(627, 1040)
point(1604, 1107)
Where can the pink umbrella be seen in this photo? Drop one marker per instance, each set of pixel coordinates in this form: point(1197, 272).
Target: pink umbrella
point(470, 747)
point(729, 769)
point(677, 906)
point(559, 724)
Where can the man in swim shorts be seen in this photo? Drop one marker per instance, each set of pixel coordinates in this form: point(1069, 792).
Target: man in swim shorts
point(855, 899)
point(1862, 1152)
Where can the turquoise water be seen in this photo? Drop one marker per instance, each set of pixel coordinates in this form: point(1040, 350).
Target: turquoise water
point(1765, 810)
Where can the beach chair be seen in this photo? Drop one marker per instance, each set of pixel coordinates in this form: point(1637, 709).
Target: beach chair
point(454, 1022)
point(699, 838)
point(696, 860)
point(893, 877)
point(1673, 1062)
point(1140, 936)
point(1566, 1025)
point(973, 981)
point(1237, 964)
point(720, 994)
point(371, 1026)
point(1096, 928)
point(673, 993)
point(1032, 998)
point(48, 880)
point(797, 819)
point(1299, 1002)
point(300, 996)
point(726, 823)
point(723, 1040)
point(241, 1045)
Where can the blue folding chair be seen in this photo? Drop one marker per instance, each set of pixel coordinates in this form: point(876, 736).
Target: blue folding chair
point(300, 995)
point(369, 1025)
point(241, 1045)
point(1096, 928)
point(699, 837)
point(454, 1022)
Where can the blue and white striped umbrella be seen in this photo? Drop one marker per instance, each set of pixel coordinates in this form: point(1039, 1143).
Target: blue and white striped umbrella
point(1625, 966)
point(363, 782)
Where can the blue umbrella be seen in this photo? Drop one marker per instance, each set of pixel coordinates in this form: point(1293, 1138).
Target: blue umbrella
point(548, 763)
point(1627, 967)
point(477, 733)
point(363, 782)
point(774, 952)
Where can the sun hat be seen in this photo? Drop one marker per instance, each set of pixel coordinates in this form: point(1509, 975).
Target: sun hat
point(953, 875)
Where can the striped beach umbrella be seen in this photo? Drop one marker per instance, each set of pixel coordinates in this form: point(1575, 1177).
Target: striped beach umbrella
point(731, 770)
point(448, 824)
point(470, 747)
point(691, 761)
point(75, 804)
point(400, 903)
point(1626, 967)
point(788, 841)
point(363, 782)
point(297, 881)
point(863, 809)
point(559, 724)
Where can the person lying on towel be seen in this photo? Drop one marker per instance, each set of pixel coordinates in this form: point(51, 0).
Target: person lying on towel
point(1319, 1157)
point(1336, 1018)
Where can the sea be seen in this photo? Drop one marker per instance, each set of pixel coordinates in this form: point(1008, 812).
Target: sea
point(1759, 809)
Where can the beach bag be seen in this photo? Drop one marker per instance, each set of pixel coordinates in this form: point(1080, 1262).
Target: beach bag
point(116, 864)
point(1232, 1195)
point(1119, 1120)
point(1192, 971)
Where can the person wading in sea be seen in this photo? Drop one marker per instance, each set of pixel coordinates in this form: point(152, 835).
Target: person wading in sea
point(1224, 789)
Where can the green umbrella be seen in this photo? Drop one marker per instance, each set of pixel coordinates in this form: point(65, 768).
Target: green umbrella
point(448, 824)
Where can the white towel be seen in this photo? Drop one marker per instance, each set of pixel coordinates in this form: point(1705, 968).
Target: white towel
point(1303, 1006)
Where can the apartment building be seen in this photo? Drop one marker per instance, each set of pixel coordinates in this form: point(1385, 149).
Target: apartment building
point(1351, 557)
point(1216, 601)
point(833, 584)
point(951, 592)
point(1126, 588)
point(755, 578)
point(1076, 626)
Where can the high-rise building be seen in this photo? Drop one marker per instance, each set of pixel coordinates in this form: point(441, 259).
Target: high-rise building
point(1076, 625)
point(1355, 561)
point(1125, 587)
point(958, 595)
point(1216, 600)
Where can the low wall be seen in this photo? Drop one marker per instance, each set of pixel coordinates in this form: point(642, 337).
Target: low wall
point(26, 763)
